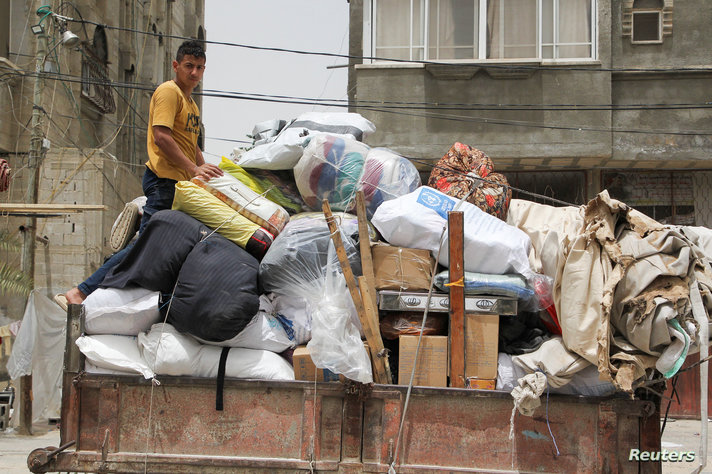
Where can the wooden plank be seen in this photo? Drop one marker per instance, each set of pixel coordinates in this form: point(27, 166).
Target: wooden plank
point(48, 208)
point(457, 299)
point(380, 375)
point(365, 246)
point(378, 354)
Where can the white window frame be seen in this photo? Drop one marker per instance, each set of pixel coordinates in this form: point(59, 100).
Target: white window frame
point(370, 28)
point(660, 26)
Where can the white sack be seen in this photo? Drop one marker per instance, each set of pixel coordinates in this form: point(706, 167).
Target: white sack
point(124, 311)
point(284, 151)
point(244, 364)
point(167, 351)
point(181, 354)
point(416, 220)
point(292, 313)
point(558, 364)
point(113, 352)
point(265, 331)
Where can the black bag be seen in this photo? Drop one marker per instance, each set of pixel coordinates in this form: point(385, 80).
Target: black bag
point(158, 254)
point(216, 294)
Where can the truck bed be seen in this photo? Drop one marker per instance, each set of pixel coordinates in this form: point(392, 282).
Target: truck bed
point(113, 423)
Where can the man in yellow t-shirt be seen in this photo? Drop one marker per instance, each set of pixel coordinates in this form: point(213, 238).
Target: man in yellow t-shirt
point(173, 152)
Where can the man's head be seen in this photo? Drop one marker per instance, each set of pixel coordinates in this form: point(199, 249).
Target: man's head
point(191, 48)
point(189, 65)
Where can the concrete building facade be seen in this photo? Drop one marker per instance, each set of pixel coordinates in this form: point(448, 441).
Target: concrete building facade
point(568, 97)
point(93, 101)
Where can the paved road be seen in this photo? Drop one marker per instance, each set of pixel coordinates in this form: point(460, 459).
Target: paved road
point(679, 435)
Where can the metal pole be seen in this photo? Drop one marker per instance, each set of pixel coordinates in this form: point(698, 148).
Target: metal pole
point(36, 156)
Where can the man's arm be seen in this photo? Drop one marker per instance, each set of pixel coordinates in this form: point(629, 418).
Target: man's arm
point(163, 138)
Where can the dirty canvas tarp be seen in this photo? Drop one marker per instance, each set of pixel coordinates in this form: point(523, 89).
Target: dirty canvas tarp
point(622, 284)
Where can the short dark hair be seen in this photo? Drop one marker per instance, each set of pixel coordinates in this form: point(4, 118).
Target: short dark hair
point(190, 48)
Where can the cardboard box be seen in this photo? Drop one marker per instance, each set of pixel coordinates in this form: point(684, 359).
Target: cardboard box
point(481, 345)
point(400, 268)
point(481, 384)
point(431, 369)
point(304, 368)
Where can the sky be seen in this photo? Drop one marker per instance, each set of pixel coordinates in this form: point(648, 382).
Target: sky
point(305, 25)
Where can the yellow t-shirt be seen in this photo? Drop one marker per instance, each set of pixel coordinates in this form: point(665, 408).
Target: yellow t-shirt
point(170, 108)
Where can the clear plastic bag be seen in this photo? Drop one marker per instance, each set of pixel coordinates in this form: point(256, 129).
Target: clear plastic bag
point(336, 341)
point(302, 263)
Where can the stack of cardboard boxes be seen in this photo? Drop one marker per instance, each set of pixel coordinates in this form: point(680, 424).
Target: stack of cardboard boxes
point(403, 278)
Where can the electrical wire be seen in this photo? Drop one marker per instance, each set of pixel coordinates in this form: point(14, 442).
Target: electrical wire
point(449, 117)
point(391, 104)
point(586, 68)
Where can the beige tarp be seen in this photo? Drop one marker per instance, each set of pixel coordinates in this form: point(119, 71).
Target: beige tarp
point(621, 286)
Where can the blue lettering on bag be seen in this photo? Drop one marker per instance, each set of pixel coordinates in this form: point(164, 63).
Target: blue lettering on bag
point(435, 201)
point(287, 325)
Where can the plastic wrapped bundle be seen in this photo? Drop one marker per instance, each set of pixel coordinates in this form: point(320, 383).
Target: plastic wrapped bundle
point(330, 168)
point(214, 213)
point(302, 264)
point(282, 151)
point(334, 168)
point(386, 175)
point(512, 286)
point(269, 184)
point(453, 176)
point(247, 202)
point(300, 253)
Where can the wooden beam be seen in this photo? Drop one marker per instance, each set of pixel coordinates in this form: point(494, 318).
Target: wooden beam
point(457, 299)
point(380, 375)
point(10, 208)
point(382, 368)
point(365, 246)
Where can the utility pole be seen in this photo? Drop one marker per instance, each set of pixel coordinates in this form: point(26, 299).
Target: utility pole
point(36, 156)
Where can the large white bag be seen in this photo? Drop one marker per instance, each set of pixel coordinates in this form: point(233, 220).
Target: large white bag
point(167, 351)
point(173, 353)
point(244, 364)
point(292, 312)
point(113, 352)
point(416, 220)
point(286, 148)
point(265, 331)
point(124, 311)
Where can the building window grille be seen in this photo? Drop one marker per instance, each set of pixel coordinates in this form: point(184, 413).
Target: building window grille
point(96, 85)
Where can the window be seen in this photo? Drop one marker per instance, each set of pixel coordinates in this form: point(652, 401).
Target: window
point(452, 30)
point(667, 196)
point(96, 85)
point(647, 27)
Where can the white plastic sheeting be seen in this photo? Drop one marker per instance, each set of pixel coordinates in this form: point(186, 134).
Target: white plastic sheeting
point(39, 351)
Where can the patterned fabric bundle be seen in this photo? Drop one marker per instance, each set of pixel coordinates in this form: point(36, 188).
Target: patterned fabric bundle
point(456, 175)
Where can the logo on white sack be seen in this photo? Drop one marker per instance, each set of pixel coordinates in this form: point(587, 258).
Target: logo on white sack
point(438, 202)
